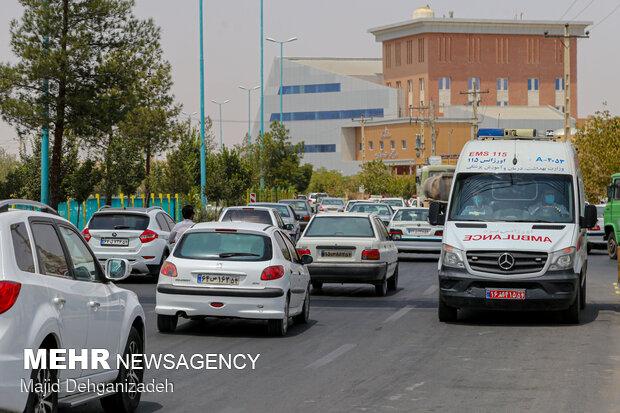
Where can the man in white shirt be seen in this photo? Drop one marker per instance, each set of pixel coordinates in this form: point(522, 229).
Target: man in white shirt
point(181, 227)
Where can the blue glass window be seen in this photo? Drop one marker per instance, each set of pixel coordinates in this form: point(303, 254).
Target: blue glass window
point(316, 88)
point(319, 148)
point(532, 84)
point(327, 115)
point(470, 83)
point(559, 83)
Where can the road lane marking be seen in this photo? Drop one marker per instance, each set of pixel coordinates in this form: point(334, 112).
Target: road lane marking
point(398, 314)
point(430, 290)
point(328, 358)
point(415, 386)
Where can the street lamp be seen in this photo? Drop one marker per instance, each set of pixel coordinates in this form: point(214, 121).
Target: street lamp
point(249, 90)
point(203, 149)
point(189, 117)
point(220, 104)
point(281, 43)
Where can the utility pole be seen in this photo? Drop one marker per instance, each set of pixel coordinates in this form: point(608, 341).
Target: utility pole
point(220, 104)
point(431, 119)
point(566, 39)
point(362, 121)
point(203, 148)
point(45, 136)
point(474, 104)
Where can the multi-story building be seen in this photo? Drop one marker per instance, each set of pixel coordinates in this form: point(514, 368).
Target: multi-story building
point(435, 60)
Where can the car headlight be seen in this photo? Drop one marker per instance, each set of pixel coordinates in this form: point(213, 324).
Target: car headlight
point(452, 257)
point(562, 260)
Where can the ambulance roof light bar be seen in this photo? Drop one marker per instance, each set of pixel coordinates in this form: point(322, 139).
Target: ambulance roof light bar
point(497, 133)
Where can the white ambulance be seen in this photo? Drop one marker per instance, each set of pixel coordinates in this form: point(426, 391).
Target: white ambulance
point(515, 229)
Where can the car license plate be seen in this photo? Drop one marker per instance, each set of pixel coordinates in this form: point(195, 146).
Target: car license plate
point(217, 279)
point(493, 294)
point(114, 242)
point(337, 253)
point(417, 231)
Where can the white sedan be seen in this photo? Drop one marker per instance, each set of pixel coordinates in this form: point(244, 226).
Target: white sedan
point(234, 269)
point(412, 232)
point(350, 248)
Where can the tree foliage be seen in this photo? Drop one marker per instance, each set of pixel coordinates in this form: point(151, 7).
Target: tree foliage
point(375, 177)
point(332, 182)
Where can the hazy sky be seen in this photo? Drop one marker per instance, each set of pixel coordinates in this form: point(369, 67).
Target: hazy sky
point(334, 28)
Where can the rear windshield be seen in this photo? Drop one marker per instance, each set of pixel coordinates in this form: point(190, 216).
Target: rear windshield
point(282, 209)
point(371, 209)
point(394, 202)
point(411, 215)
point(332, 201)
point(248, 215)
point(224, 246)
point(298, 206)
point(340, 227)
point(137, 222)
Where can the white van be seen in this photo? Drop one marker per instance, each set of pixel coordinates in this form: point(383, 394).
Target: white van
point(515, 229)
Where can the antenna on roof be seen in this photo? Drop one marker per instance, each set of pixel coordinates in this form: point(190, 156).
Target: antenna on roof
point(451, 14)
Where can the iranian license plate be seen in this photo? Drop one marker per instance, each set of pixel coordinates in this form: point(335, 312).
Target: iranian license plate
point(114, 242)
point(337, 253)
point(417, 231)
point(493, 294)
point(217, 279)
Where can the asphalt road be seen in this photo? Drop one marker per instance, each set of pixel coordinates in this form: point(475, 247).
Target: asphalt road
point(364, 353)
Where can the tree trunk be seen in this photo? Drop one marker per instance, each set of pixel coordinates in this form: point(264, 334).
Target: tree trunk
point(59, 123)
point(147, 172)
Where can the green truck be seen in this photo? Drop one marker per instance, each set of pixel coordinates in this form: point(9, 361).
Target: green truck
point(612, 216)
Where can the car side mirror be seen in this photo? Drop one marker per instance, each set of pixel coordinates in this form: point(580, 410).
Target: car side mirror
point(437, 213)
point(590, 217)
point(117, 270)
point(306, 259)
point(289, 227)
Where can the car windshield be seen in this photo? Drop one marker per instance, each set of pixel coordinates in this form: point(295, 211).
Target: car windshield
point(371, 209)
point(137, 222)
point(282, 209)
point(600, 211)
point(411, 215)
point(298, 206)
point(257, 216)
point(394, 202)
point(332, 201)
point(507, 197)
point(358, 227)
point(224, 246)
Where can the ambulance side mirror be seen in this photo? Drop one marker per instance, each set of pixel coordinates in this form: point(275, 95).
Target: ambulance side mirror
point(437, 213)
point(590, 217)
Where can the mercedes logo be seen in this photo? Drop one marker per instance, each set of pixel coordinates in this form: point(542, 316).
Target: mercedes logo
point(114, 234)
point(506, 261)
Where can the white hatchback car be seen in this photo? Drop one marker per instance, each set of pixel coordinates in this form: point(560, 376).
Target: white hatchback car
point(139, 235)
point(234, 269)
point(350, 248)
point(412, 232)
point(54, 295)
point(260, 215)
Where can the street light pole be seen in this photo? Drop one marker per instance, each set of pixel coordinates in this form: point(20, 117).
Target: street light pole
point(203, 155)
point(220, 104)
point(281, 43)
point(45, 138)
point(262, 87)
point(249, 90)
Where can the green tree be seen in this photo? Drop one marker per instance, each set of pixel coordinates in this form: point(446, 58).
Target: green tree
point(598, 149)
point(82, 182)
point(330, 181)
point(8, 163)
point(227, 178)
point(375, 177)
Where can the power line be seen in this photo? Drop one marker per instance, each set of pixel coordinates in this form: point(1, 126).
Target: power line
point(567, 10)
point(582, 10)
point(607, 16)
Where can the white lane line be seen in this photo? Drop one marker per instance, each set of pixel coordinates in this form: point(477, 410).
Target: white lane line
point(328, 358)
point(398, 314)
point(430, 290)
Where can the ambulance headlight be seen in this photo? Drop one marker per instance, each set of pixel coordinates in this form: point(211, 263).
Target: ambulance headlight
point(562, 260)
point(452, 257)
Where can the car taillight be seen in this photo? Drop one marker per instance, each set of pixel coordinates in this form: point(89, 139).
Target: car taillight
point(306, 218)
point(168, 269)
point(439, 233)
point(321, 208)
point(596, 228)
point(148, 236)
point(303, 251)
point(272, 273)
point(395, 231)
point(9, 291)
point(373, 254)
point(86, 234)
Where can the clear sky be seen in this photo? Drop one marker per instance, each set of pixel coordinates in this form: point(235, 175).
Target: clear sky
point(334, 28)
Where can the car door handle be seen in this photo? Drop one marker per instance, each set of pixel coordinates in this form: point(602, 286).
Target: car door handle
point(59, 301)
point(94, 305)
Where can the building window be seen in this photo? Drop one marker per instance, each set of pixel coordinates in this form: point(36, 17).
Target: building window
point(388, 84)
point(361, 146)
point(314, 88)
point(409, 52)
point(532, 85)
point(473, 49)
point(398, 84)
point(410, 92)
point(559, 84)
point(392, 145)
point(444, 49)
point(471, 81)
point(421, 50)
point(559, 50)
point(533, 51)
point(501, 50)
point(328, 115)
point(403, 144)
point(444, 83)
point(422, 85)
point(371, 145)
point(320, 148)
point(397, 53)
point(387, 55)
point(381, 146)
point(502, 103)
point(502, 84)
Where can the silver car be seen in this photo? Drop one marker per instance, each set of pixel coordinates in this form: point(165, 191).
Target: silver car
point(288, 216)
point(412, 232)
point(331, 205)
point(383, 211)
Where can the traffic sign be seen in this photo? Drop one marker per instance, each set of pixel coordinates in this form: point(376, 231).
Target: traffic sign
point(252, 197)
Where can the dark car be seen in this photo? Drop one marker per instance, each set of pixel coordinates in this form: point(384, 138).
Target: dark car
point(302, 209)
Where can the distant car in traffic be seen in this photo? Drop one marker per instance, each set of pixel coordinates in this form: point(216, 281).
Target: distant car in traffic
point(331, 205)
point(302, 209)
point(395, 203)
point(383, 211)
point(288, 216)
point(139, 235)
point(350, 248)
point(596, 234)
point(315, 198)
point(234, 269)
point(412, 232)
point(258, 215)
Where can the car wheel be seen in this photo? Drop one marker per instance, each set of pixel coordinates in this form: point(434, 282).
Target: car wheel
point(45, 401)
point(582, 296)
point(612, 246)
point(317, 285)
point(167, 323)
point(393, 282)
point(571, 315)
point(446, 313)
point(381, 289)
point(126, 400)
point(279, 327)
point(304, 316)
